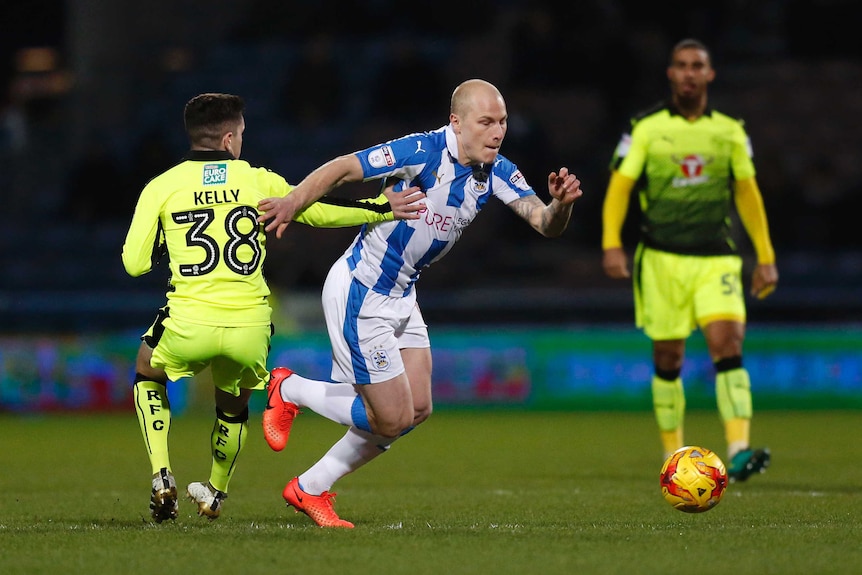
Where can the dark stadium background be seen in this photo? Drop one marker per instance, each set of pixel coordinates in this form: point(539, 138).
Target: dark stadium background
point(92, 96)
point(512, 474)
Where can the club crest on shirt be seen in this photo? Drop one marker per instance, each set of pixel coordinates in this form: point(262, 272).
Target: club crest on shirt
point(380, 359)
point(477, 186)
point(691, 167)
point(215, 174)
point(382, 156)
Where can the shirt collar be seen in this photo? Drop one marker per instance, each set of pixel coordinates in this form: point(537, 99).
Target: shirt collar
point(674, 111)
point(452, 143)
point(481, 172)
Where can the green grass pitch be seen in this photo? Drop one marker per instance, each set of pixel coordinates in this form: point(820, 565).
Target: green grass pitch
point(473, 491)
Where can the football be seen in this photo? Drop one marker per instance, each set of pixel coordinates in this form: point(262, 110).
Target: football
point(693, 479)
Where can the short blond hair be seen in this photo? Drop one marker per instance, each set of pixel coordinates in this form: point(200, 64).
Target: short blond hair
point(462, 96)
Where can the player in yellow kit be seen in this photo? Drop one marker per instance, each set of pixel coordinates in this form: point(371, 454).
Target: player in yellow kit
point(690, 162)
point(203, 213)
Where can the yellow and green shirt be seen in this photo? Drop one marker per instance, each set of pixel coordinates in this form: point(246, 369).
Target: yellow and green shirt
point(203, 213)
point(685, 171)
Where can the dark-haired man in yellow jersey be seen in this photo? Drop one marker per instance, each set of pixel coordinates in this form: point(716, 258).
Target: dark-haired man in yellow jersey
point(690, 163)
point(203, 214)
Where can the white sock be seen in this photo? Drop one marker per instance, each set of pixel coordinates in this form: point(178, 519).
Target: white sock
point(333, 401)
point(349, 453)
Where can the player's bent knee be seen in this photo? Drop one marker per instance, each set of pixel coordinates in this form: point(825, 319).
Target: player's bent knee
point(392, 426)
point(151, 374)
point(390, 431)
point(421, 415)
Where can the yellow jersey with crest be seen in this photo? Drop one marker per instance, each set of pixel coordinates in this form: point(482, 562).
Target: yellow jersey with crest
point(203, 214)
point(685, 171)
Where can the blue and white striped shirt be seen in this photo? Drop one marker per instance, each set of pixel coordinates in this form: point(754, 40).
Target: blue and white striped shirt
point(388, 257)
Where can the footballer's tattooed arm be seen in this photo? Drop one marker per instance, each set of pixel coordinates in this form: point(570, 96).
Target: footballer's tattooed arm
point(549, 220)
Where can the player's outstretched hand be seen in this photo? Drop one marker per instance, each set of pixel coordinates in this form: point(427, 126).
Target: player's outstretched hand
point(279, 212)
point(407, 203)
point(564, 187)
point(764, 280)
point(616, 264)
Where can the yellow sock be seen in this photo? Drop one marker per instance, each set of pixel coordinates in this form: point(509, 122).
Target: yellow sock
point(671, 440)
point(737, 434)
point(668, 398)
point(227, 440)
point(154, 415)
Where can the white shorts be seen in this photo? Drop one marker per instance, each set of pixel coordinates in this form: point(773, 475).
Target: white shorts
point(367, 329)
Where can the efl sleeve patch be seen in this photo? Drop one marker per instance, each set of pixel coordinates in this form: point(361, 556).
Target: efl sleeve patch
point(518, 180)
point(382, 157)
